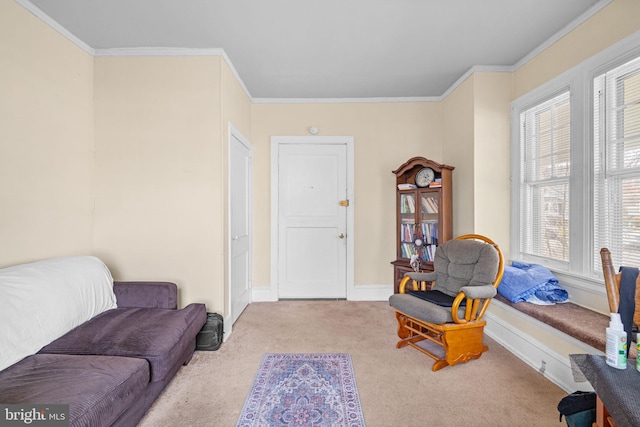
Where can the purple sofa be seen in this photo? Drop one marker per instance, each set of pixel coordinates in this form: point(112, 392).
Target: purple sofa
point(111, 368)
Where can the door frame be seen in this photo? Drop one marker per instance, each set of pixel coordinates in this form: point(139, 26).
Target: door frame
point(276, 141)
point(233, 132)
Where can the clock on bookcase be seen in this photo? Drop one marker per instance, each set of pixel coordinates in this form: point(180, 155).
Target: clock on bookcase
point(423, 213)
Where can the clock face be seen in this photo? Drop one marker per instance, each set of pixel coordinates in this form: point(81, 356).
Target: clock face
point(424, 177)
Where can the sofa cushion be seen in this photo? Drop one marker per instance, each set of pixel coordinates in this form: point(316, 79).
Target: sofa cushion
point(43, 300)
point(159, 335)
point(98, 389)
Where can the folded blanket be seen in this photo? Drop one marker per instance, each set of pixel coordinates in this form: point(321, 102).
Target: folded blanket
point(532, 283)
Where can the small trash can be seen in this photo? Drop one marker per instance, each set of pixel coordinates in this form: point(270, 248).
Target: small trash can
point(578, 408)
point(210, 336)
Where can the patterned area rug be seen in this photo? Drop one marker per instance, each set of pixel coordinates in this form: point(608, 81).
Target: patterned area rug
point(303, 390)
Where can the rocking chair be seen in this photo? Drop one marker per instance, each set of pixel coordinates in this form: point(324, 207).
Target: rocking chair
point(445, 307)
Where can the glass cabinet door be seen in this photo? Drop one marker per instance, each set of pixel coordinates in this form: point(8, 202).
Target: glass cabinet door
point(407, 224)
point(430, 202)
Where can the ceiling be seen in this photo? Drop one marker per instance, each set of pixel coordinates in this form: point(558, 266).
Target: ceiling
point(315, 49)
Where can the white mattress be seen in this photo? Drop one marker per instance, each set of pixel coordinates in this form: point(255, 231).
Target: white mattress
point(43, 300)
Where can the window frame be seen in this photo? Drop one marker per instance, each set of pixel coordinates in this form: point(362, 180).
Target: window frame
point(580, 269)
point(529, 184)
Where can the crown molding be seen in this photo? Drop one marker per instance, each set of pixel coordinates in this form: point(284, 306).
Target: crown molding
point(344, 100)
point(589, 13)
point(156, 51)
point(174, 51)
point(38, 13)
point(477, 69)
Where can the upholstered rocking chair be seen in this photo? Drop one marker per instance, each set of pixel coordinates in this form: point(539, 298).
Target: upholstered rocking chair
point(446, 306)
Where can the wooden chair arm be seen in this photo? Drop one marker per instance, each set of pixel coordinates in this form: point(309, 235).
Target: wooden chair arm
point(403, 284)
point(474, 309)
point(456, 305)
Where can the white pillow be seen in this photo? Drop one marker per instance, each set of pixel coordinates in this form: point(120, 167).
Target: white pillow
point(43, 300)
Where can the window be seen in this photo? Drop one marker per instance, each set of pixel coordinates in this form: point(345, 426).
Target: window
point(545, 169)
point(576, 167)
point(617, 163)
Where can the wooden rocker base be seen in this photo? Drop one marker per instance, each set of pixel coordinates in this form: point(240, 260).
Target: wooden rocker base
point(460, 342)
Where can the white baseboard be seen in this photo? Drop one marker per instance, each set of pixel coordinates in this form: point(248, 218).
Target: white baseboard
point(263, 294)
point(548, 362)
point(370, 293)
point(226, 328)
point(355, 293)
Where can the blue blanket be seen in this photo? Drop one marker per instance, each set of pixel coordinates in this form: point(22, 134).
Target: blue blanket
point(531, 282)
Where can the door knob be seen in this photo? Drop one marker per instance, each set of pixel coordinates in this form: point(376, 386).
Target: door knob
point(341, 235)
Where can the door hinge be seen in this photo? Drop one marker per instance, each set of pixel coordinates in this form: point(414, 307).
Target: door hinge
point(344, 203)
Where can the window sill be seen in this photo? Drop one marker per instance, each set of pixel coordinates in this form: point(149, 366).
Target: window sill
point(585, 325)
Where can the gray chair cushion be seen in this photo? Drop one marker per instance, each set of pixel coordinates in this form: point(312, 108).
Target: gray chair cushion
point(421, 309)
point(461, 263)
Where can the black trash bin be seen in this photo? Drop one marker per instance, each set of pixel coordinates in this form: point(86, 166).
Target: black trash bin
point(210, 336)
point(578, 408)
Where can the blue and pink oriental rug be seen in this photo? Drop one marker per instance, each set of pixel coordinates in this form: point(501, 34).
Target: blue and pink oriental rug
point(303, 390)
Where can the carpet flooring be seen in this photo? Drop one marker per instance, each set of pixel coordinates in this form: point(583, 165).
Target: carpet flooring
point(396, 386)
point(303, 390)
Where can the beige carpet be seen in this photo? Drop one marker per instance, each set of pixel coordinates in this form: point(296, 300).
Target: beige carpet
point(397, 387)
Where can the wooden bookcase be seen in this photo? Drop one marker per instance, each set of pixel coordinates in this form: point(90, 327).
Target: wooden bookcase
point(423, 210)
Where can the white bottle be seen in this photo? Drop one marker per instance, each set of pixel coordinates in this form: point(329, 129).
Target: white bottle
point(616, 343)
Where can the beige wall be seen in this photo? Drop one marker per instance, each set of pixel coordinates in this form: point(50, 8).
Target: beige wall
point(492, 157)
point(159, 126)
point(159, 180)
point(458, 150)
point(476, 126)
point(610, 25)
point(46, 141)
point(385, 136)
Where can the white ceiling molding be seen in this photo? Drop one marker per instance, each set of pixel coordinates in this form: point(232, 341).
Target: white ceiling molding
point(170, 51)
point(344, 100)
point(477, 69)
point(158, 51)
point(563, 32)
point(54, 24)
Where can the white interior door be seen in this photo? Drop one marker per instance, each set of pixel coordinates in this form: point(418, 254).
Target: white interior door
point(312, 223)
point(240, 193)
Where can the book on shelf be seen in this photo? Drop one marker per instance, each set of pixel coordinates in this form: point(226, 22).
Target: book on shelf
point(429, 205)
point(429, 252)
point(430, 232)
point(436, 183)
point(406, 186)
point(408, 249)
point(408, 204)
point(407, 231)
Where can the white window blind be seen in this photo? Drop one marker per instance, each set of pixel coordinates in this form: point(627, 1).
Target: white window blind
point(617, 164)
point(545, 170)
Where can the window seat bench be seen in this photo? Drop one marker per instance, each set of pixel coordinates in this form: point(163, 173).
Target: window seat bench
point(574, 320)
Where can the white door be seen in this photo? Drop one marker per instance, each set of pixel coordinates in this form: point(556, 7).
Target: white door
point(312, 221)
point(240, 190)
